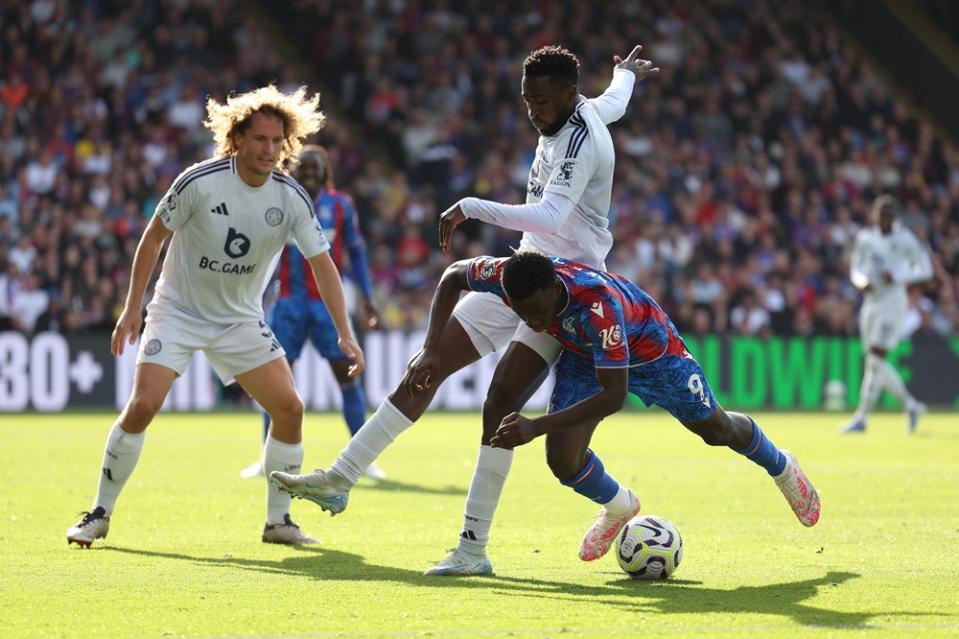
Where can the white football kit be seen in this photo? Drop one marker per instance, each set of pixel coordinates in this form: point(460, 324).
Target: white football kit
point(566, 213)
point(884, 307)
point(227, 239)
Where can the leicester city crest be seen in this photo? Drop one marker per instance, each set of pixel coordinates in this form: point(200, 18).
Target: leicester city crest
point(273, 216)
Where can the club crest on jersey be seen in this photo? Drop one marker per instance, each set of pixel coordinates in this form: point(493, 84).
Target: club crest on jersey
point(487, 271)
point(564, 174)
point(612, 337)
point(568, 325)
point(273, 216)
point(153, 347)
point(237, 245)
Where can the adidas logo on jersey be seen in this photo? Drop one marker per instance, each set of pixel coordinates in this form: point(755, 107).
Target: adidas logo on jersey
point(220, 209)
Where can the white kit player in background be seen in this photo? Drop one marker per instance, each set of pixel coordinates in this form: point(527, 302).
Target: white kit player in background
point(230, 218)
point(566, 214)
point(886, 259)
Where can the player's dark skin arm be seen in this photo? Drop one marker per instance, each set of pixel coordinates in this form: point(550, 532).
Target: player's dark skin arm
point(419, 372)
point(516, 430)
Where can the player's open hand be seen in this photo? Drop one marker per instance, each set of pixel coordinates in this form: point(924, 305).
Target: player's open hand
point(126, 330)
point(372, 314)
point(419, 372)
point(450, 219)
point(515, 430)
point(353, 352)
point(640, 68)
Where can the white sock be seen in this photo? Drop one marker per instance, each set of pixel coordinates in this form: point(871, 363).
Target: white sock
point(492, 467)
point(119, 459)
point(619, 504)
point(374, 436)
point(288, 458)
point(893, 383)
point(871, 385)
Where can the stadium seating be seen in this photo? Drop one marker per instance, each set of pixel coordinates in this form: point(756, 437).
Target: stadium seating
point(743, 169)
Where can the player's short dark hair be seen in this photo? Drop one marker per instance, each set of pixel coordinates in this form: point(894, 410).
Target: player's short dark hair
point(527, 272)
point(552, 61)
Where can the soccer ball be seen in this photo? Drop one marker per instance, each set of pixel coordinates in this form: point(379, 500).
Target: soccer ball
point(649, 547)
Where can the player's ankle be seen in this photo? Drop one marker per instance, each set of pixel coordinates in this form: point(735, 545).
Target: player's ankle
point(472, 548)
point(339, 481)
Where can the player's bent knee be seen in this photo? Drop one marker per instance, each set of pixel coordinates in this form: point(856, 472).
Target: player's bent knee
point(293, 410)
point(712, 431)
point(500, 400)
point(714, 437)
point(139, 412)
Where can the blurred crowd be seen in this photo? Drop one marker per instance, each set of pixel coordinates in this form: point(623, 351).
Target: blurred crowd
point(743, 169)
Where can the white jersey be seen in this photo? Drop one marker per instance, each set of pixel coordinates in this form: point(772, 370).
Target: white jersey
point(899, 254)
point(577, 163)
point(227, 239)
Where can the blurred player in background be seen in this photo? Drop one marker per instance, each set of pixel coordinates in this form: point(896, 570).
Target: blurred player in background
point(617, 339)
point(566, 213)
point(230, 217)
point(886, 259)
point(299, 312)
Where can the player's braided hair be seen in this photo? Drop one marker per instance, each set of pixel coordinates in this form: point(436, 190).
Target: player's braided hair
point(322, 157)
point(527, 272)
point(553, 61)
point(300, 115)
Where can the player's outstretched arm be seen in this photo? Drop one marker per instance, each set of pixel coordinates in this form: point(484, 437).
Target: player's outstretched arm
point(611, 105)
point(331, 290)
point(546, 216)
point(859, 267)
point(145, 260)
point(920, 264)
point(516, 430)
point(418, 376)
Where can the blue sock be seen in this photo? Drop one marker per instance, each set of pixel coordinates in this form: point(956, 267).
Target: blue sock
point(592, 482)
point(266, 425)
point(764, 452)
point(354, 405)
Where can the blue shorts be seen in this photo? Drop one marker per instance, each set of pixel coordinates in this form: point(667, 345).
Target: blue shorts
point(294, 320)
point(672, 382)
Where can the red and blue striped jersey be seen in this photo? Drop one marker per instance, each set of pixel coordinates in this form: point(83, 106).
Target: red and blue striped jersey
point(608, 319)
point(338, 218)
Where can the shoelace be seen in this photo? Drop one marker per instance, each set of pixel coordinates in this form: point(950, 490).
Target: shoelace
point(89, 516)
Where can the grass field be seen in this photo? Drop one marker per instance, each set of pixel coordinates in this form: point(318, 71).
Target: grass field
point(184, 556)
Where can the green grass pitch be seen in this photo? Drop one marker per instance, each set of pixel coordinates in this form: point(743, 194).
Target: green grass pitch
point(184, 557)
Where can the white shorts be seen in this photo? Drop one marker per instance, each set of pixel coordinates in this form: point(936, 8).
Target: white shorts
point(492, 325)
point(881, 327)
point(171, 337)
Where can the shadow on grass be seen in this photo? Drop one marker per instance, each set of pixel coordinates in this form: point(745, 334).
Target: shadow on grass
point(666, 597)
point(391, 485)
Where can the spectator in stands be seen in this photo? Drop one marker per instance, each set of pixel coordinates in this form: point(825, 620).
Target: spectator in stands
point(751, 163)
